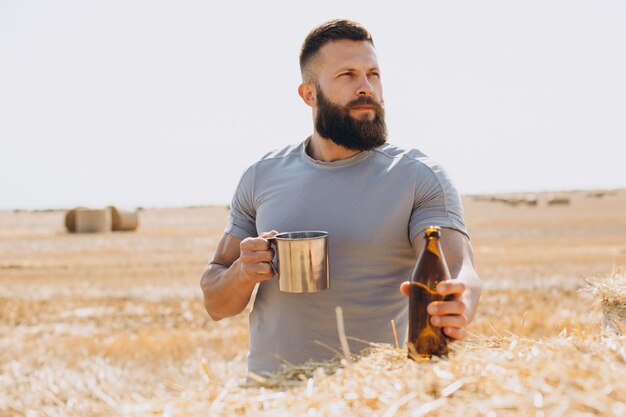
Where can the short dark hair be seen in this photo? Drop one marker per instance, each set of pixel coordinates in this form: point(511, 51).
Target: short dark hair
point(331, 31)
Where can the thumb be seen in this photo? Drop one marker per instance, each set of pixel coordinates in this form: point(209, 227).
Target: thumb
point(404, 288)
point(265, 235)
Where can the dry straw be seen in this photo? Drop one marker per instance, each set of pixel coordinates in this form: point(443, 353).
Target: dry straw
point(568, 375)
point(610, 294)
point(499, 376)
point(580, 374)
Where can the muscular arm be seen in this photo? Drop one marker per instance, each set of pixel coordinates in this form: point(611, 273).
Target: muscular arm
point(466, 287)
point(229, 279)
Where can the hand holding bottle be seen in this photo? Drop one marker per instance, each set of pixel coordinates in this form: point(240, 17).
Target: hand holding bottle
point(448, 314)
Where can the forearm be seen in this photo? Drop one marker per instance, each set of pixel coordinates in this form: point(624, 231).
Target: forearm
point(226, 292)
point(473, 288)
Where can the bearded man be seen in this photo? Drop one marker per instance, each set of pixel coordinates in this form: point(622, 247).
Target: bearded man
point(374, 199)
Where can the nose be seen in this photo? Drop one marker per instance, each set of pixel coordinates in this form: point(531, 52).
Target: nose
point(364, 86)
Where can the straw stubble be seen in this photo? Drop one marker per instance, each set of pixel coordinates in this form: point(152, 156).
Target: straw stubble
point(113, 324)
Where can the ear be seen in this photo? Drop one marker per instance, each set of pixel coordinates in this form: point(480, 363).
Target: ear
point(308, 94)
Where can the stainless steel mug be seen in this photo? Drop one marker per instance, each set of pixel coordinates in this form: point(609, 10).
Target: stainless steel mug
point(301, 261)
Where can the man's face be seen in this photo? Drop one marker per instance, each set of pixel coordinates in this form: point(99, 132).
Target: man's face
point(359, 133)
point(349, 108)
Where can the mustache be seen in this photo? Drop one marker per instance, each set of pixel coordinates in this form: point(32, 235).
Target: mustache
point(366, 101)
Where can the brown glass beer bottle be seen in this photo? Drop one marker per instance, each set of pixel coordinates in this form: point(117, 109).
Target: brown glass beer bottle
point(425, 339)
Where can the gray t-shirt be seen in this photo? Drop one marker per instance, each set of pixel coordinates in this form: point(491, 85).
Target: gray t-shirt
point(373, 205)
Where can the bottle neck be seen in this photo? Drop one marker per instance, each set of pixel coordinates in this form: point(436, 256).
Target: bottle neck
point(432, 244)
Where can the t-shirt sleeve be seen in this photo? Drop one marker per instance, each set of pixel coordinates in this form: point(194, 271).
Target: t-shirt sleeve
point(242, 219)
point(437, 201)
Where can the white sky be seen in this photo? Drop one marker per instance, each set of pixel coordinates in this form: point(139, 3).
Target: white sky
point(153, 103)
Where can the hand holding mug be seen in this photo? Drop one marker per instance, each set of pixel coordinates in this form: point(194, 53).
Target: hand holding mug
point(255, 257)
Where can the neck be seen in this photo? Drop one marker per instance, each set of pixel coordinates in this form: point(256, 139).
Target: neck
point(325, 150)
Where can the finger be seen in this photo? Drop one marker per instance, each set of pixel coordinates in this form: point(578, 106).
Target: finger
point(266, 276)
point(440, 308)
point(257, 272)
point(256, 256)
point(451, 287)
point(455, 333)
point(404, 288)
point(456, 322)
point(253, 269)
point(268, 235)
point(254, 243)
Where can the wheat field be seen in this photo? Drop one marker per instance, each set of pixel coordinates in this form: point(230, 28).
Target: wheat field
point(113, 324)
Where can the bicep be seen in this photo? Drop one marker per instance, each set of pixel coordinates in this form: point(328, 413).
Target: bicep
point(456, 249)
point(228, 250)
point(436, 202)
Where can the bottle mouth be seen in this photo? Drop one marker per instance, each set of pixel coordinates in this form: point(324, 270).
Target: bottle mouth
point(432, 231)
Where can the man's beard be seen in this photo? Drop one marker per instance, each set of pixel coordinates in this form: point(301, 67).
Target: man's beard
point(335, 123)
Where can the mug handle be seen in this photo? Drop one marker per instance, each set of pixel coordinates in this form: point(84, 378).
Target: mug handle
point(274, 246)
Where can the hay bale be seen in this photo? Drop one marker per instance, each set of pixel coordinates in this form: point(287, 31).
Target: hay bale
point(558, 200)
point(597, 194)
point(123, 220)
point(511, 201)
point(70, 219)
point(531, 200)
point(93, 220)
point(482, 197)
point(610, 296)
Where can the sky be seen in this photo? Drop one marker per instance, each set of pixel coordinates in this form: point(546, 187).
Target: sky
point(165, 103)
